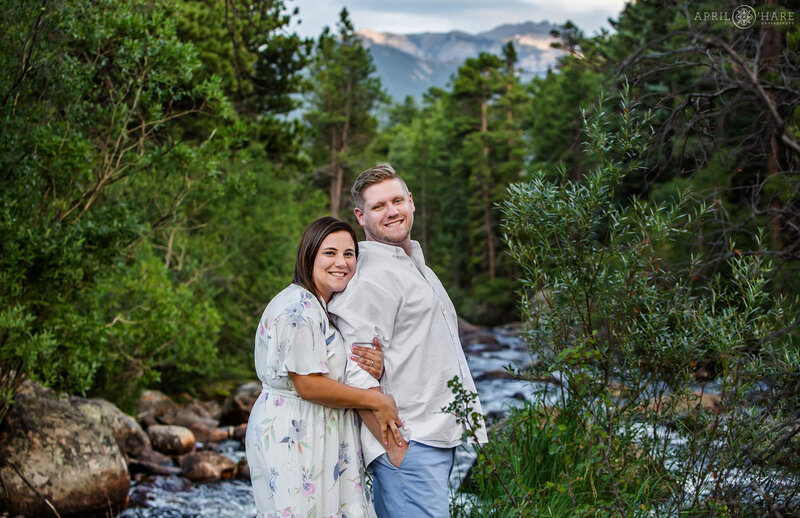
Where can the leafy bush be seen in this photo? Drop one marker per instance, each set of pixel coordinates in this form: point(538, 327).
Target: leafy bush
point(623, 334)
point(546, 465)
point(93, 161)
point(158, 333)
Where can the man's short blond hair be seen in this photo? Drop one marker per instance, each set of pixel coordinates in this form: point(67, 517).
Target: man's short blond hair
point(375, 174)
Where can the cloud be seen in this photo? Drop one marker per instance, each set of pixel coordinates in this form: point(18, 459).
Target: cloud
point(459, 8)
point(473, 16)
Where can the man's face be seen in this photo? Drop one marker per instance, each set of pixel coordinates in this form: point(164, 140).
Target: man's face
point(388, 213)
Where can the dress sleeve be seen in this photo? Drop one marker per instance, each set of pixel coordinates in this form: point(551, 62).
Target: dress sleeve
point(303, 336)
point(362, 312)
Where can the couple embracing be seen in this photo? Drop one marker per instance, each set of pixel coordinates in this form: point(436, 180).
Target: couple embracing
point(364, 327)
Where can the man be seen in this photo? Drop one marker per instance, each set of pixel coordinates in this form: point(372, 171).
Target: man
point(393, 296)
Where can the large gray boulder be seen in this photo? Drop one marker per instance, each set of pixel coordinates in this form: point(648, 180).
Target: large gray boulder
point(54, 457)
point(132, 440)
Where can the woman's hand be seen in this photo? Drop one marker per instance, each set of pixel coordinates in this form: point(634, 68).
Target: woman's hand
point(388, 419)
point(369, 358)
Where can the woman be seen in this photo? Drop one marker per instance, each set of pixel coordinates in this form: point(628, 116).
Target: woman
point(302, 442)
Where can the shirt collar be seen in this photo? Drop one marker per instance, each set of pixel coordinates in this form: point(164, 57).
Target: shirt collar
point(395, 252)
point(392, 250)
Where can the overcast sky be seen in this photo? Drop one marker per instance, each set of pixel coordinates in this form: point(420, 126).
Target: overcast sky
point(472, 16)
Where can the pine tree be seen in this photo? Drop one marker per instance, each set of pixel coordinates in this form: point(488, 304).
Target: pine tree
point(480, 82)
point(344, 91)
point(246, 44)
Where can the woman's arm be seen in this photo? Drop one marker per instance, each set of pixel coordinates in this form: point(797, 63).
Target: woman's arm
point(325, 391)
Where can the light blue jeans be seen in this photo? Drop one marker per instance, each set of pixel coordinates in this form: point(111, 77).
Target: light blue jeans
point(418, 488)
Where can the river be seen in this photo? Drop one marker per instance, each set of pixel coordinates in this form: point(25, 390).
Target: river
point(176, 497)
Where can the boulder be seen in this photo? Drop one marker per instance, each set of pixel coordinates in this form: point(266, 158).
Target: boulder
point(202, 408)
point(187, 417)
point(155, 457)
point(513, 329)
point(152, 405)
point(207, 466)
point(236, 409)
point(243, 469)
point(482, 336)
point(204, 433)
point(55, 458)
point(137, 466)
point(129, 435)
point(152, 462)
point(197, 416)
point(465, 327)
point(239, 432)
point(170, 439)
point(697, 399)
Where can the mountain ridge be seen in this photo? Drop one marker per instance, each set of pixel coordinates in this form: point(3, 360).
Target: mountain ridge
point(410, 64)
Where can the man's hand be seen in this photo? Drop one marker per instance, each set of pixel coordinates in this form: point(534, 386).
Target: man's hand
point(397, 453)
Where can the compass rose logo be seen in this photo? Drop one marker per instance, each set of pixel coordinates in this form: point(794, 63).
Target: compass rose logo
point(744, 16)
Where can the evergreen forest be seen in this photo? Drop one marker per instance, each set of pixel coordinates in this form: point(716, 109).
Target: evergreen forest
point(637, 208)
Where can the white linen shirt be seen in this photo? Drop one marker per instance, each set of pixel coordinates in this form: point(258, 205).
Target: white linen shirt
point(401, 301)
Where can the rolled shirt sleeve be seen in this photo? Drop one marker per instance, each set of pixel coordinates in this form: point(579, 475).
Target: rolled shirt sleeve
point(362, 312)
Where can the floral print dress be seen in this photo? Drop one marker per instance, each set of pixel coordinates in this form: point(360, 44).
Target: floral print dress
point(305, 458)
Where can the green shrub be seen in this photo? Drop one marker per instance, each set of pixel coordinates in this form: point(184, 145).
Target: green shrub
point(93, 157)
point(623, 334)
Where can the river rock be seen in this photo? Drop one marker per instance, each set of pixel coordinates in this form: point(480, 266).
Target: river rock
point(703, 400)
point(152, 462)
point(482, 336)
point(204, 428)
point(495, 374)
point(142, 493)
point(137, 466)
point(152, 405)
point(129, 435)
point(465, 327)
point(207, 466)
point(512, 329)
point(236, 409)
point(243, 469)
point(72, 460)
point(187, 417)
point(204, 433)
point(170, 439)
point(210, 408)
point(155, 457)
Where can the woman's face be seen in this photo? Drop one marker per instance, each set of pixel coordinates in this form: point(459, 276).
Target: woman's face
point(334, 264)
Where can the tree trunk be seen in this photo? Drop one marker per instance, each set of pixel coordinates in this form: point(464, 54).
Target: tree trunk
point(485, 186)
point(771, 51)
point(336, 186)
point(510, 117)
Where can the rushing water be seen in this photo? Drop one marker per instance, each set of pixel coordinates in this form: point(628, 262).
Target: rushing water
point(177, 497)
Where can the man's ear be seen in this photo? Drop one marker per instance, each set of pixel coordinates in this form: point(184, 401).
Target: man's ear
point(359, 216)
point(411, 201)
